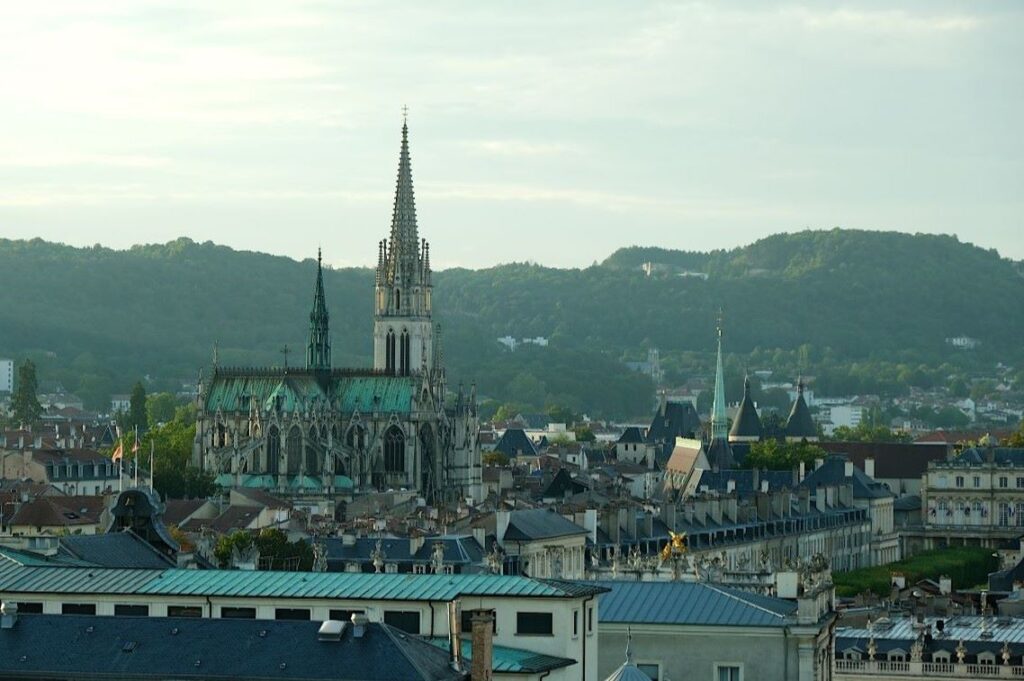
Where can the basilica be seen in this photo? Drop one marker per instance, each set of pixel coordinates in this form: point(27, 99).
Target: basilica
point(324, 431)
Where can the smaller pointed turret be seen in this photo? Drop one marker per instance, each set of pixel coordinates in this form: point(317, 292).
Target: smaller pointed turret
point(746, 427)
point(800, 424)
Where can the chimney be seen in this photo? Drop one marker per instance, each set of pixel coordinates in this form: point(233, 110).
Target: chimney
point(648, 524)
point(869, 467)
point(8, 614)
point(764, 486)
point(668, 514)
point(945, 585)
point(848, 469)
point(483, 645)
point(803, 472)
point(730, 486)
point(359, 623)
point(818, 463)
point(415, 544)
point(501, 520)
point(455, 636)
point(805, 500)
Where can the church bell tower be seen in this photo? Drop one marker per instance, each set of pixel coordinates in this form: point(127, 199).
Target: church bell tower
point(403, 341)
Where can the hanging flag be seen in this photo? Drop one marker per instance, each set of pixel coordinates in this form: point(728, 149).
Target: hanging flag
point(118, 452)
point(135, 447)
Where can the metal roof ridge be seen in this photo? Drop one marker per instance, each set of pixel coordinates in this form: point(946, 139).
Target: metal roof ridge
point(742, 600)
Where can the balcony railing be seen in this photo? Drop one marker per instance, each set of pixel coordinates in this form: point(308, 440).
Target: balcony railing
point(929, 669)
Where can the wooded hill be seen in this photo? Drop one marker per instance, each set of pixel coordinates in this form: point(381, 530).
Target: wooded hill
point(96, 319)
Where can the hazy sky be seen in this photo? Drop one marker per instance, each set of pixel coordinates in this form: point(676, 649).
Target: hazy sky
point(548, 131)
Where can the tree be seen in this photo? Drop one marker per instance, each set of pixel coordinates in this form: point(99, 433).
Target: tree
point(160, 408)
point(273, 546)
point(24, 402)
point(174, 476)
point(1017, 439)
point(781, 456)
point(137, 417)
point(585, 434)
point(865, 432)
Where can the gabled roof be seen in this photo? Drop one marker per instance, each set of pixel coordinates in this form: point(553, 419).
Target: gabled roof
point(160, 648)
point(719, 454)
point(689, 603)
point(458, 549)
point(1004, 456)
point(800, 424)
point(893, 460)
point(514, 442)
point(539, 523)
point(746, 423)
point(562, 483)
point(746, 481)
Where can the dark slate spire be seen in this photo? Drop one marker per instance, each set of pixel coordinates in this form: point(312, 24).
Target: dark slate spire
point(800, 425)
point(403, 252)
point(746, 425)
point(318, 354)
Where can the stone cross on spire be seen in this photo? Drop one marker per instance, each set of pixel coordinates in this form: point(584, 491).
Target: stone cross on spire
point(403, 252)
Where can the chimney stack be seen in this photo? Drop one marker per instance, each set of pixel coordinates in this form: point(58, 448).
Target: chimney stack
point(8, 614)
point(483, 645)
point(869, 467)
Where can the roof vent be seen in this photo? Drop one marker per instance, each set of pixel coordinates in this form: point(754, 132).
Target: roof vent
point(331, 630)
point(129, 646)
point(263, 633)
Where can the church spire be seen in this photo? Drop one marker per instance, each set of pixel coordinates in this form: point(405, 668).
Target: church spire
point(318, 354)
point(719, 420)
point(403, 252)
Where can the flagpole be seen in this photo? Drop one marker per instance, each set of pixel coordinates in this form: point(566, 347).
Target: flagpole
point(120, 463)
point(152, 471)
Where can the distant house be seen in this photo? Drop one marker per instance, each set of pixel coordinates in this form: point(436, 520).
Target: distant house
point(514, 443)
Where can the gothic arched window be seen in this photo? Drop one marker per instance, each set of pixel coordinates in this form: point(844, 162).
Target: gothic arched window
point(312, 454)
point(389, 352)
point(273, 450)
point(404, 361)
point(394, 450)
point(398, 300)
point(355, 438)
point(293, 448)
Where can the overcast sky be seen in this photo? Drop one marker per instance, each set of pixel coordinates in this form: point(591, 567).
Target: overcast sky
point(552, 132)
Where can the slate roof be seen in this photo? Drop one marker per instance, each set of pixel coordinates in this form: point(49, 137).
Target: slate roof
point(911, 502)
point(114, 550)
point(539, 523)
point(800, 424)
point(176, 511)
point(57, 512)
point(689, 603)
point(160, 648)
point(746, 422)
point(631, 435)
point(562, 483)
point(967, 628)
point(458, 549)
point(893, 460)
point(514, 442)
point(719, 454)
point(747, 481)
point(678, 419)
point(1004, 456)
point(833, 472)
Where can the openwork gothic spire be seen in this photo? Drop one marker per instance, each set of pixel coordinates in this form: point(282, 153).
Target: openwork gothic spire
point(318, 353)
point(404, 264)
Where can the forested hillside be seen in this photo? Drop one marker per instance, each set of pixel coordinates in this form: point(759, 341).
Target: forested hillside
point(850, 306)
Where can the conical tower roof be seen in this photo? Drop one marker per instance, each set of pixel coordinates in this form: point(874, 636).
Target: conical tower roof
point(628, 671)
point(746, 425)
point(719, 420)
point(800, 424)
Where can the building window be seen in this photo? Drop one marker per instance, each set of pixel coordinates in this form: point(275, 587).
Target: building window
point(291, 614)
point(238, 613)
point(575, 623)
point(78, 609)
point(651, 669)
point(1004, 482)
point(976, 481)
point(1004, 514)
point(184, 611)
point(131, 610)
point(590, 620)
point(1020, 483)
point(394, 450)
point(344, 615)
point(728, 672)
point(406, 620)
point(959, 481)
point(534, 624)
point(30, 608)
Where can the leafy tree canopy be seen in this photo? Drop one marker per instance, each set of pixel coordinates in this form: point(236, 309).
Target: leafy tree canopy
point(24, 402)
point(781, 456)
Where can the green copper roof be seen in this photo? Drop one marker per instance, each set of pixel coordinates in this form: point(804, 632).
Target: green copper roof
point(510, 660)
point(231, 392)
point(367, 394)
